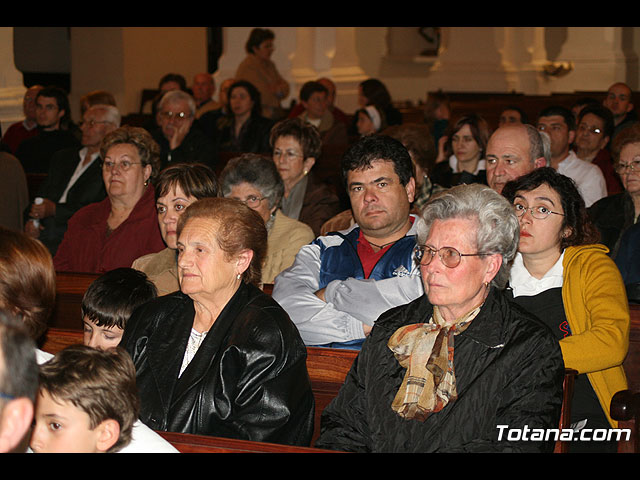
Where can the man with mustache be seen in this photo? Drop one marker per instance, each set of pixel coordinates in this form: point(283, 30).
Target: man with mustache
point(341, 282)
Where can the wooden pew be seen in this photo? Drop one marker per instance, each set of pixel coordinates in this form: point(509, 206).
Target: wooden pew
point(70, 288)
point(327, 369)
point(625, 405)
point(187, 443)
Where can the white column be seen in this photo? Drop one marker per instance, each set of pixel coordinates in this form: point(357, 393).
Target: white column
point(11, 87)
point(469, 60)
point(329, 52)
point(525, 56)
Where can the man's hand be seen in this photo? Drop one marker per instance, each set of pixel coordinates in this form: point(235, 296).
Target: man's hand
point(31, 230)
point(46, 209)
point(320, 294)
point(179, 133)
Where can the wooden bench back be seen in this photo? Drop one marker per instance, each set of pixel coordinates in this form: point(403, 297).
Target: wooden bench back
point(188, 443)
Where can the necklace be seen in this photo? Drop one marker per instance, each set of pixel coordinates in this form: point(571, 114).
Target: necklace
point(383, 245)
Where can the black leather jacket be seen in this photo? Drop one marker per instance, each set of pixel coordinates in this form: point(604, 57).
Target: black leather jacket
point(509, 371)
point(248, 379)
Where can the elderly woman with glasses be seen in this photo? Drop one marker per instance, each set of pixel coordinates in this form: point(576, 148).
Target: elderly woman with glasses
point(296, 148)
point(255, 181)
point(614, 214)
point(570, 283)
point(114, 232)
point(444, 372)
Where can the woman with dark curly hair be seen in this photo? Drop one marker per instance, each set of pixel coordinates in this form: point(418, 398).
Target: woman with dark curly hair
point(124, 226)
point(567, 280)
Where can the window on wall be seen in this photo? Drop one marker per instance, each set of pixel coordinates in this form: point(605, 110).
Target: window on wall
point(43, 55)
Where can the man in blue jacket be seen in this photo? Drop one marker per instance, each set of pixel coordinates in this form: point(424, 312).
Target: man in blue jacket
point(341, 282)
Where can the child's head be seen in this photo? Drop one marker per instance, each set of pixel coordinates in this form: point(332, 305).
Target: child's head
point(108, 303)
point(88, 401)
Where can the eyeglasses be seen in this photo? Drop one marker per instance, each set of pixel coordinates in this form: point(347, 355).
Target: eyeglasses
point(586, 128)
point(252, 201)
point(176, 115)
point(288, 155)
point(621, 168)
point(540, 212)
point(449, 256)
point(123, 166)
point(91, 123)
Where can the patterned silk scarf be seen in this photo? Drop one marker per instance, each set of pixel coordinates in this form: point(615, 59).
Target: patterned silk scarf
point(426, 351)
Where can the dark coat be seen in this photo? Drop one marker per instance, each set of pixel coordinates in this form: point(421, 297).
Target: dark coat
point(248, 379)
point(612, 216)
point(254, 135)
point(509, 371)
point(35, 152)
point(444, 175)
point(87, 189)
point(195, 148)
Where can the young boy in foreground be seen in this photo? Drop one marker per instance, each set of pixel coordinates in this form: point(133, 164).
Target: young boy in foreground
point(108, 303)
point(87, 402)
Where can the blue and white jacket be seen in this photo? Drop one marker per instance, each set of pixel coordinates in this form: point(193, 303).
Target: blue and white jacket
point(332, 262)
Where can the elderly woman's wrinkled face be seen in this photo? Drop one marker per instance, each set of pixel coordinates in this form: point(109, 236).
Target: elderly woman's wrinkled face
point(289, 159)
point(630, 157)
point(541, 236)
point(169, 208)
point(203, 268)
point(458, 290)
point(253, 198)
point(123, 173)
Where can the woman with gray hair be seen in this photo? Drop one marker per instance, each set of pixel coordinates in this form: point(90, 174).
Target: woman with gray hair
point(255, 181)
point(444, 372)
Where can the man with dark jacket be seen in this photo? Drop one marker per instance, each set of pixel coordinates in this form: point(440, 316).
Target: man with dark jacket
point(74, 179)
point(54, 131)
point(179, 139)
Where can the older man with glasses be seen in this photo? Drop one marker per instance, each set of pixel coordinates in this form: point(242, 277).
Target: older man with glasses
point(594, 131)
point(74, 179)
point(179, 136)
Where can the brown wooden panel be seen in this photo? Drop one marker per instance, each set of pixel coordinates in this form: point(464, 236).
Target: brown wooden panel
point(188, 443)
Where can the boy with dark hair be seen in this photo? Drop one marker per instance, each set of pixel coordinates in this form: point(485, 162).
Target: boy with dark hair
point(88, 402)
point(108, 303)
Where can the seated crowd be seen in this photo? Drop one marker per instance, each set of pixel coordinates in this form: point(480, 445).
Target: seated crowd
point(467, 266)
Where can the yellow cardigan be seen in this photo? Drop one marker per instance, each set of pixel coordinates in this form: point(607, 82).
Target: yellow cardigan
point(596, 306)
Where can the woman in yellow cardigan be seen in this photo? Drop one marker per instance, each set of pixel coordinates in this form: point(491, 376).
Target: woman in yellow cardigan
point(570, 283)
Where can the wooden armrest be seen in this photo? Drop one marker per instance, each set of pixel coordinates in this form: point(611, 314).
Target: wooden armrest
point(625, 405)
